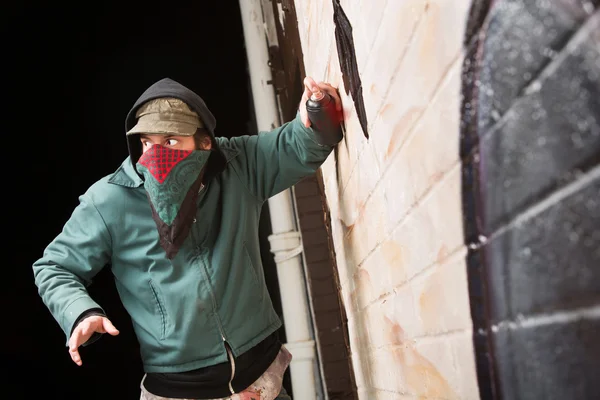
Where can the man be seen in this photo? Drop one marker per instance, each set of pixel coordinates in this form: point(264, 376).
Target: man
point(178, 223)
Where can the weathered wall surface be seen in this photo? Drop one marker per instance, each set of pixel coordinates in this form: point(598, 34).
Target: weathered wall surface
point(395, 198)
point(531, 182)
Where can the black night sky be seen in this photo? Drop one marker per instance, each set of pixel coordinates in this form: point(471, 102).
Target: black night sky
point(71, 73)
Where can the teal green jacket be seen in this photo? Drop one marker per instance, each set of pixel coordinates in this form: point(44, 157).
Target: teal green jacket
point(213, 291)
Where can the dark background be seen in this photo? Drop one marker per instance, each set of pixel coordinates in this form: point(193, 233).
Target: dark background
point(70, 76)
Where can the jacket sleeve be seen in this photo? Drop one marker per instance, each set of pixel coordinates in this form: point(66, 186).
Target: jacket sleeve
point(276, 160)
point(69, 264)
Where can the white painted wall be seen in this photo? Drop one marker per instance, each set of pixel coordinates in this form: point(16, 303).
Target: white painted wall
point(395, 199)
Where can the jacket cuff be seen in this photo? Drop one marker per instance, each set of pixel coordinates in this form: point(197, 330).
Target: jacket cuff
point(96, 335)
point(74, 313)
point(316, 136)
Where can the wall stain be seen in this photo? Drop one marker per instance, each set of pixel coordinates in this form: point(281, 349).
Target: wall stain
point(348, 243)
point(393, 256)
point(386, 109)
point(363, 287)
point(442, 254)
point(346, 229)
point(418, 374)
point(435, 178)
point(427, 48)
point(373, 90)
point(432, 300)
point(401, 128)
point(364, 291)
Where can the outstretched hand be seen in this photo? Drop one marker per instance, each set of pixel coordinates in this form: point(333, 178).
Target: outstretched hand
point(84, 330)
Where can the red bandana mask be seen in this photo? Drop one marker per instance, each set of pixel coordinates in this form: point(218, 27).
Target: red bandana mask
point(172, 179)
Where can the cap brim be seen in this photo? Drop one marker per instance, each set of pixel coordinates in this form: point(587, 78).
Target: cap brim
point(175, 128)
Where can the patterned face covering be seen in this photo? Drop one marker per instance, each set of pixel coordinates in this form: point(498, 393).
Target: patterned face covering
point(172, 179)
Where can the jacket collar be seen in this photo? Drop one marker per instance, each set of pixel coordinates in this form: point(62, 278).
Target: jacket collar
point(126, 176)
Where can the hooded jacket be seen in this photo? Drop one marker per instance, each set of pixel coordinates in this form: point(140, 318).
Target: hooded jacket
point(212, 293)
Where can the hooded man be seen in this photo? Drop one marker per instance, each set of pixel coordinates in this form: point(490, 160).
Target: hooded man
point(178, 224)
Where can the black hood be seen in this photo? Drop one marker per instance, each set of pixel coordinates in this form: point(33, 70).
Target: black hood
point(169, 88)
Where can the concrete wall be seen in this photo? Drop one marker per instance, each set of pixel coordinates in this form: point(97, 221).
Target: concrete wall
point(531, 183)
point(395, 198)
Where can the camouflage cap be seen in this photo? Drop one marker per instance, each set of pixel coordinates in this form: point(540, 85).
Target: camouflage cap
point(166, 116)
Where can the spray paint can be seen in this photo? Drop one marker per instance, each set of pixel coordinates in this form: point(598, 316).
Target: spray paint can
point(324, 118)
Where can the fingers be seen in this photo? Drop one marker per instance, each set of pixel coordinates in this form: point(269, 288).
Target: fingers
point(74, 343)
point(85, 330)
point(80, 335)
point(303, 112)
point(109, 327)
point(330, 90)
point(75, 356)
point(310, 87)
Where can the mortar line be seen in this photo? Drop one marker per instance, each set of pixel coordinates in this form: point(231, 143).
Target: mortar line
point(421, 200)
point(392, 79)
point(452, 257)
point(425, 195)
point(547, 71)
point(407, 394)
point(376, 389)
point(368, 54)
point(400, 62)
point(409, 135)
point(550, 318)
point(401, 392)
point(550, 200)
point(456, 63)
point(420, 338)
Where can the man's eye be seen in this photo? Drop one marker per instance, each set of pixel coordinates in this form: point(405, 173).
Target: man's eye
point(147, 144)
point(172, 142)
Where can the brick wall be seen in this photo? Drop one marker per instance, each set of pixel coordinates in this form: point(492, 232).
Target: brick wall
point(531, 164)
point(395, 198)
point(330, 322)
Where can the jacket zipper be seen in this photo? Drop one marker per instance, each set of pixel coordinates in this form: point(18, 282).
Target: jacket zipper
point(230, 356)
point(232, 360)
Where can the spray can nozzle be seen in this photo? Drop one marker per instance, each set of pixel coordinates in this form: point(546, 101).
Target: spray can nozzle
point(317, 96)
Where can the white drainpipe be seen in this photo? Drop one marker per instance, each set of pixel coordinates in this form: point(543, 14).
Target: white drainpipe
point(285, 241)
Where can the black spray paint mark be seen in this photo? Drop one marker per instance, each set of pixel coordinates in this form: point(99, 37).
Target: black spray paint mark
point(348, 64)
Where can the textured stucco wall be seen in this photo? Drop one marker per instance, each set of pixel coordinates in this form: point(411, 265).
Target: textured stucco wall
point(395, 198)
